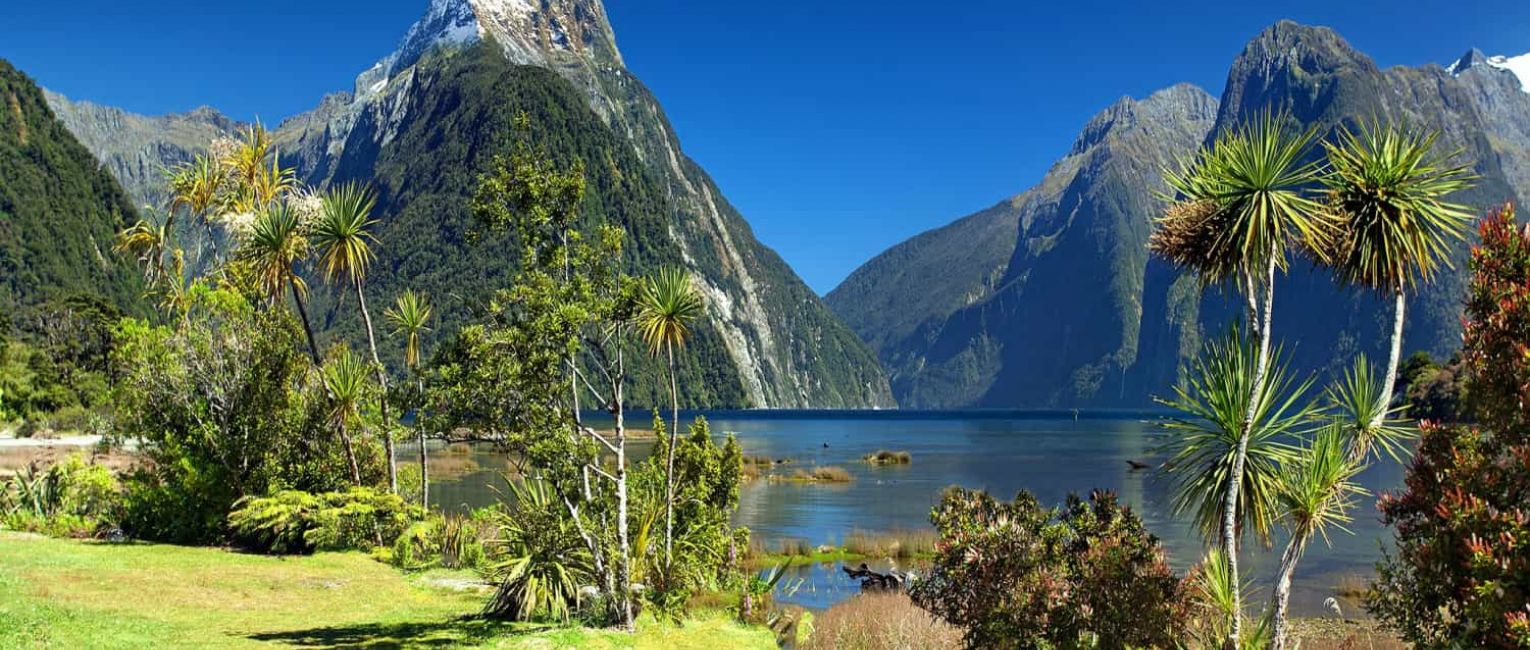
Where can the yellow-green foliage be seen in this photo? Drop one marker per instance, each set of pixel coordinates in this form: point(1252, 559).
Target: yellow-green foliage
point(72, 498)
point(292, 521)
point(449, 541)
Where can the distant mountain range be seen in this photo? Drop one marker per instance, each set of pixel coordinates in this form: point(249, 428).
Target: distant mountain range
point(1047, 299)
point(1050, 299)
point(424, 121)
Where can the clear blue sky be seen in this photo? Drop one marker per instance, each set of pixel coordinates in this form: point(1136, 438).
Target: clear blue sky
point(838, 128)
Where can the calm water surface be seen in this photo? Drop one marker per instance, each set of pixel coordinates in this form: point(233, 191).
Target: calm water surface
point(1049, 453)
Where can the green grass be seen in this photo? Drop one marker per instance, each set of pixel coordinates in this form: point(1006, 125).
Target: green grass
point(71, 594)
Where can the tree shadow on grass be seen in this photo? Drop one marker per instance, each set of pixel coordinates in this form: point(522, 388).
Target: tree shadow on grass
point(418, 634)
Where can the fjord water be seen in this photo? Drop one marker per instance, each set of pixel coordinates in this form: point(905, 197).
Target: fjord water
point(1050, 453)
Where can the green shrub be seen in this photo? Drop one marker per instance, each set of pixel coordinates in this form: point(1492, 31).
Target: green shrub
point(295, 522)
point(224, 405)
point(448, 541)
point(1019, 575)
point(72, 498)
point(542, 562)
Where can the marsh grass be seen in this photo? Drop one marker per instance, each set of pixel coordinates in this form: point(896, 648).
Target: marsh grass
point(451, 467)
point(902, 545)
point(881, 621)
point(884, 457)
point(820, 474)
point(1352, 587)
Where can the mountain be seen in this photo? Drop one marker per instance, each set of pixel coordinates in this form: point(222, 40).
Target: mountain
point(59, 210)
point(1080, 316)
point(1048, 296)
point(424, 121)
point(138, 148)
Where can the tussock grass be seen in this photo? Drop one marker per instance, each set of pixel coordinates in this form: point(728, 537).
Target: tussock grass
point(905, 544)
point(454, 466)
point(881, 621)
point(823, 474)
point(884, 457)
point(1353, 587)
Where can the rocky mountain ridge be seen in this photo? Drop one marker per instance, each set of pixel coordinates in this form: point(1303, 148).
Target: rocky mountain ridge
point(1043, 337)
point(782, 345)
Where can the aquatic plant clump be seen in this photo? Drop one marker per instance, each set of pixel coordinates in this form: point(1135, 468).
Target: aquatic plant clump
point(884, 457)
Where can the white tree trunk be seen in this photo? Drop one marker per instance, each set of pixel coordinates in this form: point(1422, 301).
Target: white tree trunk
point(669, 464)
point(1282, 597)
point(1393, 359)
point(624, 563)
point(1259, 332)
point(382, 380)
point(424, 450)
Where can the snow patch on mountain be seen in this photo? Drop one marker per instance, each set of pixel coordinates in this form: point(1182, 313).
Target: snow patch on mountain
point(1519, 66)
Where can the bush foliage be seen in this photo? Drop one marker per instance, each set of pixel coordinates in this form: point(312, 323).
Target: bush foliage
point(295, 522)
point(1460, 575)
point(1020, 575)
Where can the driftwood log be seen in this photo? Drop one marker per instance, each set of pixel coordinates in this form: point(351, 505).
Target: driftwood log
point(873, 581)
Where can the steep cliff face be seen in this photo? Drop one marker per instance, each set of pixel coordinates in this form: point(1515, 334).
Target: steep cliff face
point(1084, 318)
point(1050, 298)
point(1479, 110)
point(783, 344)
point(137, 148)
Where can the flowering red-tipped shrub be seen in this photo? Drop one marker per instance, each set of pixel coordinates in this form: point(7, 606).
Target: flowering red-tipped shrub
point(1018, 575)
point(1460, 574)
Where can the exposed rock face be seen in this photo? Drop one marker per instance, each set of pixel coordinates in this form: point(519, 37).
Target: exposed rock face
point(778, 334)
point(137, 148)
point(1083, 318)
point(781, 345)
point(1049, 282)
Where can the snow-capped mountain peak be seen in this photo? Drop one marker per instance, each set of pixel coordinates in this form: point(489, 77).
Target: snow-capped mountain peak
point(1519, 66)
point(532, 32)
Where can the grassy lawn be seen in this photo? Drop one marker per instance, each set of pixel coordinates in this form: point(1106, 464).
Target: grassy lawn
point(72, 594)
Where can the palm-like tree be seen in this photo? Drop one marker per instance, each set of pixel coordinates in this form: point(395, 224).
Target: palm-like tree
point(1316, 492)
point(255, 173)
point(274, 247)
point(343, 244)
point(1205, 443)
point(147, 240)
point(1386, 192)
point(151, 241)
point(345, 379)
point(666, 310)
point(1358, 403)
point(409, 316)
point(198, 186)
point(1239, 206)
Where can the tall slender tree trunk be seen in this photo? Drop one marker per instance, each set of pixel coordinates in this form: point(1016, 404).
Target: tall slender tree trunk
point(1393, 359)
point(313, 345)
point(669, 462)
point(424, 455)
point(382, 380)
point(1259, 333)
point(212, 238)
point(624, 562)
point(1288, 560)
point(350, 455)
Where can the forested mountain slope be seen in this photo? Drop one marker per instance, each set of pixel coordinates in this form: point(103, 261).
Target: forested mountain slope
point(59, 211)
point(1083, 317)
